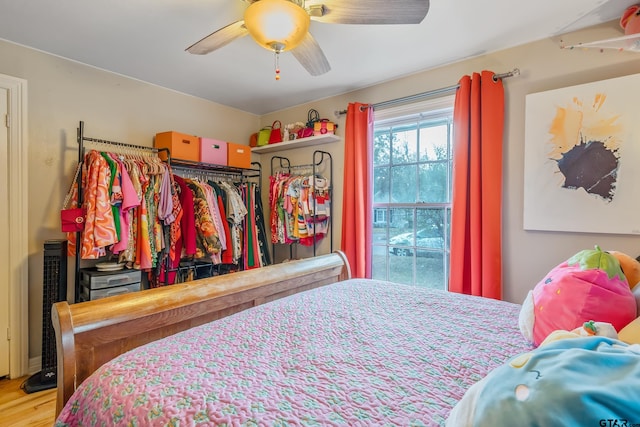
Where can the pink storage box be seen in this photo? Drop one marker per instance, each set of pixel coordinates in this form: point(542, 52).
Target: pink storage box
point(213, 151)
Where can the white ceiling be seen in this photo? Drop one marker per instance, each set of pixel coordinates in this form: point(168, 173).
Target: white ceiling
point(146, 40)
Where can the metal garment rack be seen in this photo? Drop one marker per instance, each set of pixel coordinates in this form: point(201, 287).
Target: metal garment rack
point(319, 156)
point(207, 171)
point(211, 171)
point(81, 138)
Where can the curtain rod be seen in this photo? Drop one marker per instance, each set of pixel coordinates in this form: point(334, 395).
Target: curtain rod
point(430, 93)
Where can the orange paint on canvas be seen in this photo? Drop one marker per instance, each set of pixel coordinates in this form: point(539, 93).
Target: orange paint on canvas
point(565, 131)
point(575, 124)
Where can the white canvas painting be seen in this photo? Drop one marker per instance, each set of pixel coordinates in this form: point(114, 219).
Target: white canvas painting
point(582, 158)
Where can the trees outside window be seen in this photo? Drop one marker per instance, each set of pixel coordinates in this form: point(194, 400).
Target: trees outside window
point(412, 197)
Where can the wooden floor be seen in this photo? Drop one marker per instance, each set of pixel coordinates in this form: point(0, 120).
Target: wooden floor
point(18, 408)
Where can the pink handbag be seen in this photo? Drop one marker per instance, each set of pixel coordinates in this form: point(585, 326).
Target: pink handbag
point(312, 117)
point(305, 132)
point(72, 220)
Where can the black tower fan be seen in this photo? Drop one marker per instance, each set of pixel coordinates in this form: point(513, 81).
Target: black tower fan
point(54, 289)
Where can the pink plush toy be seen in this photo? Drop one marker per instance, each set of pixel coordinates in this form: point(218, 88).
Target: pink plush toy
point(588, 286)
point(630, 20)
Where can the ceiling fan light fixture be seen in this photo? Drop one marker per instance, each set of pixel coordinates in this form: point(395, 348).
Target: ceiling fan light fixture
point(276, 25)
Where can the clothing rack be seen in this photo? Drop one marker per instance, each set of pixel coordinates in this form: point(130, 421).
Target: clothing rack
point(189, 169)
point(125, 148)
point(180, 167)
point(319, 157)
point(209, 172)
point(206, 172)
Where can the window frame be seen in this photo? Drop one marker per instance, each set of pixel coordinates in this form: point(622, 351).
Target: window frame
point(437, 111)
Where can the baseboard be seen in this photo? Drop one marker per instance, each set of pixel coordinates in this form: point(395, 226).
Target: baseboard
point(35, 365)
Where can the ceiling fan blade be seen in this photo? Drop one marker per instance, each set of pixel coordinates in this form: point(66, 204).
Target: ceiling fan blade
point(371, 12)
point(311, 57)
point(219, 38)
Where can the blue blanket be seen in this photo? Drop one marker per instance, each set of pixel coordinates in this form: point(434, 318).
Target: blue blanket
point(590, 381)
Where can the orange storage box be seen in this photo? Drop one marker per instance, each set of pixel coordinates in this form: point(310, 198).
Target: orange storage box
point(238, 156)
point(213, 151)
point(180, 145)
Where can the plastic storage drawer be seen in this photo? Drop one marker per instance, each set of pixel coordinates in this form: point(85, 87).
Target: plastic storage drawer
point(100, 284)
point(108, 279)
point(90, 294)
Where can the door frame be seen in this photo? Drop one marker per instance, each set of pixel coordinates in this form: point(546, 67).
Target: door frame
point(18, 225)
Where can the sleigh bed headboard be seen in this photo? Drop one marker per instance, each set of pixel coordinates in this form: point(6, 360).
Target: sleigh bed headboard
point(88, 334)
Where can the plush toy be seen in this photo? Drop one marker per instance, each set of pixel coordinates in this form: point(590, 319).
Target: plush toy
point(588, 286)
point(630, 267)
point(630, 20)
point(588, 329)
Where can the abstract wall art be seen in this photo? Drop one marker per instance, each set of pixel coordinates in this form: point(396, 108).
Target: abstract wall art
point(582, 158)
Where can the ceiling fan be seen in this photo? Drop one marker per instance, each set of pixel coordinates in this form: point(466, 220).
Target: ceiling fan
point(282, 25)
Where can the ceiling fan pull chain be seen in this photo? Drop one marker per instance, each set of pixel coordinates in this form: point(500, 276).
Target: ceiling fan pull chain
point(276, 63)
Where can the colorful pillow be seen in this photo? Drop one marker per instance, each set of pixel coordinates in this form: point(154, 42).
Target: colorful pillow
point(588, 286)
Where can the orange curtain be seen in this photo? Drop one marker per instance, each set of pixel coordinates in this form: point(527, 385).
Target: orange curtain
point(476, 212)
point(357, 208)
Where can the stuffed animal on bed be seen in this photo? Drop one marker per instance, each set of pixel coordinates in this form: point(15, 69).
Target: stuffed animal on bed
point(588, 286)
point(570, 382)
point(630, 267)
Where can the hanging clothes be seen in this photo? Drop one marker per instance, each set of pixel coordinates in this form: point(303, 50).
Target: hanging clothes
point(207, 239)
point(299, 208)
point(127, 206)
point(152, 219)
point(99, 230)
point(256, 253)
point(236, 211)
point(227, 251)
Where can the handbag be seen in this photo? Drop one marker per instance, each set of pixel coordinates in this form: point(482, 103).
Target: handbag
point(72, 220)
point(305, 132)
point(323, 126)
point(253, 140)
point(263, 136)
point(276, 132)
point(312, 117)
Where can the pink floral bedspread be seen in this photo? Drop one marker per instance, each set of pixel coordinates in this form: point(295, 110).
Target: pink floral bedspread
point(359, 352)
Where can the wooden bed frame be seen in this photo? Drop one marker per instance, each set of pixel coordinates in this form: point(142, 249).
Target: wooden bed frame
point(88, 334)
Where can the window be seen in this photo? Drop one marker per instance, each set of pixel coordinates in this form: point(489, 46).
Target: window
point(412, 193)
point(379, 217)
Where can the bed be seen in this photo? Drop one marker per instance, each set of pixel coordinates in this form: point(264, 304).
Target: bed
point(299, 343)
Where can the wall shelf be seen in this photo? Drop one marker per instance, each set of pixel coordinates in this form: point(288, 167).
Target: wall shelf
point(630, 43)
point(296, 143)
